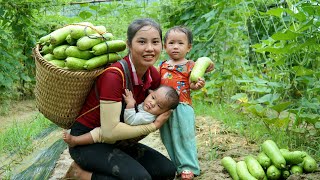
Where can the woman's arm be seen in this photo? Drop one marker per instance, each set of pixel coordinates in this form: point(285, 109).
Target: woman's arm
point(112, 129)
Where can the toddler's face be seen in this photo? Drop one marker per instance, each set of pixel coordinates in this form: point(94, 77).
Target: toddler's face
point(156, 102)
point(177, 45)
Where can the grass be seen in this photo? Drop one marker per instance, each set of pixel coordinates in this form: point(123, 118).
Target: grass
point(255, 131)
point(19, 136)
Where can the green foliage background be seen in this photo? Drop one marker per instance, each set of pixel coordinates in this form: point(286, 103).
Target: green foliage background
point(266, 52)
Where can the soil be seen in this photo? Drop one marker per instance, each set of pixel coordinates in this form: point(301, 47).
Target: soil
point(214, 141)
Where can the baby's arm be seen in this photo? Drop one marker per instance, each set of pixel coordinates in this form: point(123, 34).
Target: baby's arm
point(77, 140)
point(128, 97)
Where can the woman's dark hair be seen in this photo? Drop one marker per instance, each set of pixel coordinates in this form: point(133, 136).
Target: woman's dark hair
point(137, 24)
point(180, 29)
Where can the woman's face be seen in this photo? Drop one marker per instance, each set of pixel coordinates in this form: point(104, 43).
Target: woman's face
point(146, 47)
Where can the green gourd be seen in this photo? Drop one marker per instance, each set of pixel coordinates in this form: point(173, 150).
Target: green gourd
point(200, 68)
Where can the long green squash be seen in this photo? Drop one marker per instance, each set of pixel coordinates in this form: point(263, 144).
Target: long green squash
point(87, 42)
point(264, 160)
point(243, 172)
point(309, 164)
point(254, 167)
point(59, 52)
point(75, 63)
point(44, 40)
point(108, 47)
point(231, 166)
point(58, 36)
point(271, 149)
point(101, 60)
point(200, 68)
point(74, 51)
point(70, 40)
point(79, 31)
point(273, 173)
point(293, 157)
point(48, 57)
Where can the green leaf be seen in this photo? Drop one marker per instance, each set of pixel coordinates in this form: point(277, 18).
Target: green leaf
point(6, 82)
point(281, 106)
point(299, 16)
point(94, 7)
point(274, 84)
point(25, 77)
point(306, 25)
point(259, 81)
point(260, 89)
point(239, 96)
point(302, 71)
point(310, 118)
point(268, 99)
point(257, 109)
point(244, 80)
point(287, 35)
point(85, 14)
point(276, 12)
point(311, 9)
point(210, 15)
point(282, 122)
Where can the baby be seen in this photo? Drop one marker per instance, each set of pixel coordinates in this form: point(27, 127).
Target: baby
point(157, 102)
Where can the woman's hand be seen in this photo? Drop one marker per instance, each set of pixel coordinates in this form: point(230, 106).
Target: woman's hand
point(162, 118)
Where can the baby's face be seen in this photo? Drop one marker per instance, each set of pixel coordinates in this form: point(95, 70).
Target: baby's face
point(156, 102)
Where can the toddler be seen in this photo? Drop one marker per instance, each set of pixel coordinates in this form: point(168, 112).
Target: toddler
point(178, 133)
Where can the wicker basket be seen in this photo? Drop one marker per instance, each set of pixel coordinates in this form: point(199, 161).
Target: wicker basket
point(60, 93)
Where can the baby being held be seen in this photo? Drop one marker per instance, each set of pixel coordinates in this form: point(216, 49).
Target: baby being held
point(157, 102)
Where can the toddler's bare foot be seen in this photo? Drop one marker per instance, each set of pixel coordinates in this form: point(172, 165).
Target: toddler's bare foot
point(75, 172)
point(68, 138)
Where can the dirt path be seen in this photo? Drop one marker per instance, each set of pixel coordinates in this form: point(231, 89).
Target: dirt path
point(214, 141)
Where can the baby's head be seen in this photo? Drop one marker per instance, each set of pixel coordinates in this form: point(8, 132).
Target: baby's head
point(161, 100)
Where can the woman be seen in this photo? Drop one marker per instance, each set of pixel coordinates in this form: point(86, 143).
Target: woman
point(114, 158)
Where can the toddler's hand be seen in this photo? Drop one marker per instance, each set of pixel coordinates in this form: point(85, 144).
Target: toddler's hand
point(210, 68)
point(199, 84)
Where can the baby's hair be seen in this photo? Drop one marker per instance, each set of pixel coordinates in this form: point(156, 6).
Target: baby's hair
point(180, 29)
point(171, 95)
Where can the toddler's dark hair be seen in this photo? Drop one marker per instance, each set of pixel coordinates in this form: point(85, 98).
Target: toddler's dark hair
point(171, 95)
point(180, 29)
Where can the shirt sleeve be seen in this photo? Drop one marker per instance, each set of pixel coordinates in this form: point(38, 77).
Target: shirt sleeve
point(110, 85)
point(134, 118)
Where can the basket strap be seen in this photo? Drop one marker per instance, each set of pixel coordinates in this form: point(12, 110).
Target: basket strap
point(96, 90)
